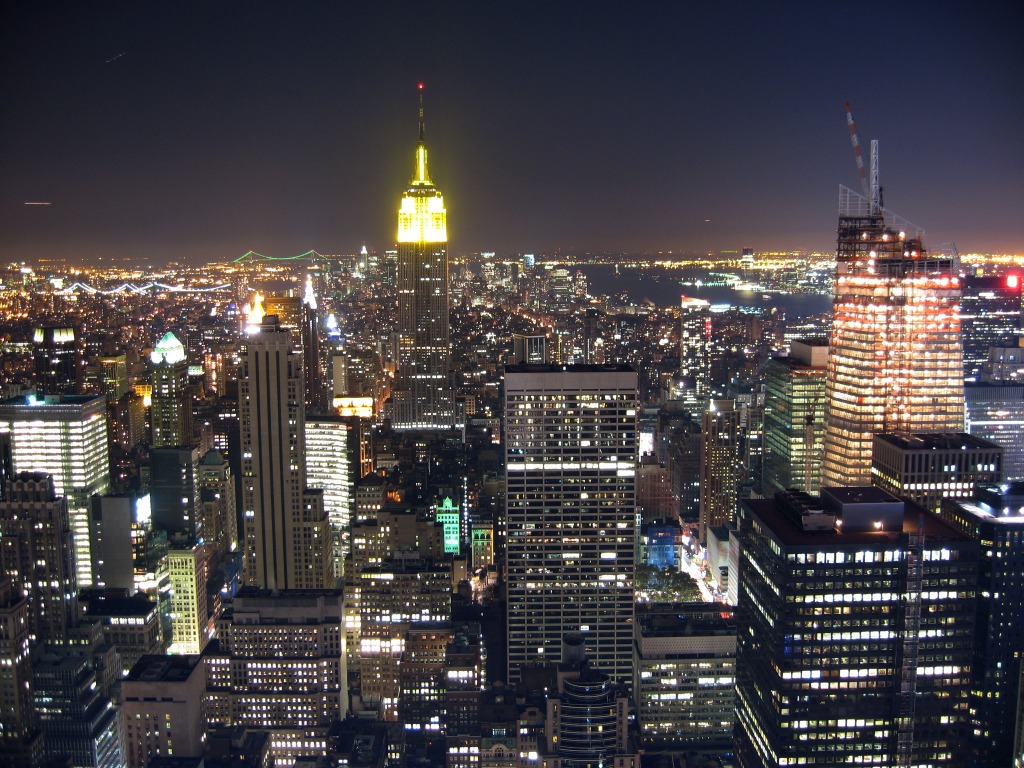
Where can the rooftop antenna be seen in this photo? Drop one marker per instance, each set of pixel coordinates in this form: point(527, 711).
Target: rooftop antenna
point(876, 191)
point(421, 111)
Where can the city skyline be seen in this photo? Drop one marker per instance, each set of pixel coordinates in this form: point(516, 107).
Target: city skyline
point(195, 134)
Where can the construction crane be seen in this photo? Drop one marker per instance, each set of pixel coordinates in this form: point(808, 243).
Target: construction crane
point(872, 191)
point(855, 141)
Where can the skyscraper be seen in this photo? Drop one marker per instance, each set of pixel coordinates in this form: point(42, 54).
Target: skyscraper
point(895, 354)
point(720, 468)
point(571, 437)
point(994, 518)
point(287, 532)
point(57, 352)
point(990, 316)
point(695, 349)
point(64, 436)
point(172, 402)
point(793, 407)
point(855, 632)
point(422, 392)
point(37, 553)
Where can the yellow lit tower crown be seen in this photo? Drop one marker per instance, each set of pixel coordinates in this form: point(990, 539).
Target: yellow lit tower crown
point(422, 217)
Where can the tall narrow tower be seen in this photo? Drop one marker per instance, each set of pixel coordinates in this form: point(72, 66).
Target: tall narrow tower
point(570, 450)
point(287, 532)
point(423, 395)
point(894, 354)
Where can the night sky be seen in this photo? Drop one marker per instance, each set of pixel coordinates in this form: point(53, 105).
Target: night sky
point(197, 131)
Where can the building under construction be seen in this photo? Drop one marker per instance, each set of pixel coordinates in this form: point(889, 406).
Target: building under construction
point(895, 356)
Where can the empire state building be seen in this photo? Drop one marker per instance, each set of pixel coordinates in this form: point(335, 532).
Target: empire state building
point(422, 393)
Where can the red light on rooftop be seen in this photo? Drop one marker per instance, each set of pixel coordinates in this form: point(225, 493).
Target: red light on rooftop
point(1012, 281)
point(421, 86)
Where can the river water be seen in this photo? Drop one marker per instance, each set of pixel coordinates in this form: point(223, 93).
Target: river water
point(663, 288)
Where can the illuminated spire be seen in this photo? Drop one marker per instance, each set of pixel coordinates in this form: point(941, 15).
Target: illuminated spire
point(422, 217)
point(421, 177)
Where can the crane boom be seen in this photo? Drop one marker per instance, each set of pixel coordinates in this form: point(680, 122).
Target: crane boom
point(855, 141)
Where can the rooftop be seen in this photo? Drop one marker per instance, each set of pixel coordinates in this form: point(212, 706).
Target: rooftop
point(935, 441)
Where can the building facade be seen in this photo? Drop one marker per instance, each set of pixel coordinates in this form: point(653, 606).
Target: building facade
point(895, 360)
point(794, 407)
point(928, 467)
point(423, 397)
point(855, 632)
point(571, 445)
point(64, 436)
point(287, 536)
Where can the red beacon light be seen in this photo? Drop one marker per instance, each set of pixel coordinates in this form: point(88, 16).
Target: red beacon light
point(1013, 281)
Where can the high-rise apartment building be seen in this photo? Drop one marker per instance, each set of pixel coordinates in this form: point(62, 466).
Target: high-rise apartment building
point(37, 553)
point(171, 410)
point(57, 353)
point(287, 535)
point(423, 398)
point(64, 436)
point(994, 518)
point(794, 405)
point(855, 632)
point(571, 454)
point(895, 361)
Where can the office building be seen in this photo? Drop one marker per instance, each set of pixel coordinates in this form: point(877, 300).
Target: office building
point(217, 497)
point(330, 467)
point(587, 718)
point(855, 632)
point(695, 349)
point(990, 316)
point(279, 666)
point(396, 594)
point(174, 489)
point(131, 623)
point(64, 436)
point(529, 349)
point(36, 552)
point(720, 467)
point(794, 407)
point(287, 538)
point(119, 526)
point(162, 699)
point(57, 353)
point(995, 412)
point(171, 399)
point(570, 495)
point(421, 677)
point(79, 723)
point(994, 517)
point(684, 680)
point(187, 567)
point(423, 397)
point(895, 361)
point(931, 466)
point(20, 741)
